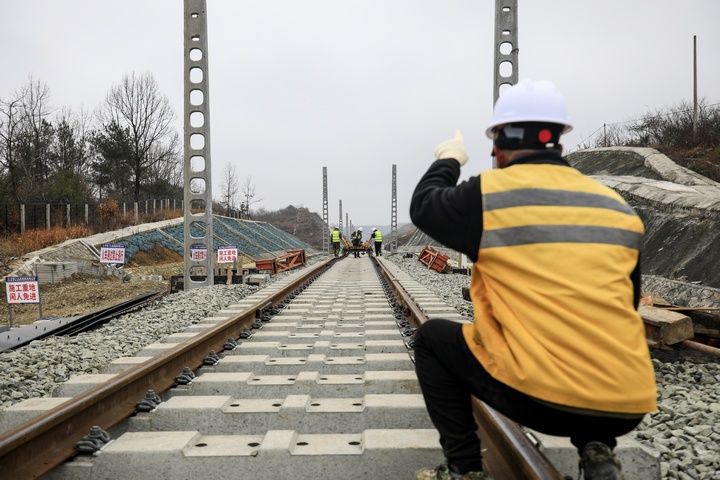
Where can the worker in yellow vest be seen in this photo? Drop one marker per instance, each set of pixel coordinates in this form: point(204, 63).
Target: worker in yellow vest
point(335, 237)
point(376, 235)
point(557, 344)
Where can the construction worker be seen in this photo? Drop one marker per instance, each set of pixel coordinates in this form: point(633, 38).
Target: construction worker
point(356, 238)
point(376, 235)
point(557, 344)
point(335, 237)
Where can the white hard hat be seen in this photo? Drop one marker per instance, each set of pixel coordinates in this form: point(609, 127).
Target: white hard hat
point(530, 101)
point(359, 229)
point(374, 229)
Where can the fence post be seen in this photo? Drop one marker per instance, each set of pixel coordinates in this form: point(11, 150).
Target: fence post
point(87, 214)
point(47, 216)
point(22, 219)
point(67, 214)
point(136, 213)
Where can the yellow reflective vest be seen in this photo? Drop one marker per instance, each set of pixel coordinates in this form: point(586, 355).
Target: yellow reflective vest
point(336, 236)
point(378, 236)
point(552, 295)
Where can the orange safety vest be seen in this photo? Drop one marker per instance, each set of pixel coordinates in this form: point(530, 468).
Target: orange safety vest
point(551, 291)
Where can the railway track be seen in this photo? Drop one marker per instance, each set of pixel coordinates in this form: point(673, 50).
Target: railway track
point(311, 377)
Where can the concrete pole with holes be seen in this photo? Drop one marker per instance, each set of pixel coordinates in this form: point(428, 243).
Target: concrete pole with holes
point(326, 216)
point(392, 246)
point(197, 207)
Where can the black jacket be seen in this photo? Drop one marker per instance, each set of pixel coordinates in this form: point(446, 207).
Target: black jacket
point(452, 213)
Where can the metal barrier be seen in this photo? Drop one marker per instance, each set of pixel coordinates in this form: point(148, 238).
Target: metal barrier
point(433, 259)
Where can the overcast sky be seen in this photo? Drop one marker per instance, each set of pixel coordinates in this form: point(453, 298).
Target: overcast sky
point(357, 86)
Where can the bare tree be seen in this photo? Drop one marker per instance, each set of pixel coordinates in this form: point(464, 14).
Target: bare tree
point(613, 136)
point(248, 193)
point(10, 127)
point(229, 188)
point(26, 134)
point(137, 105)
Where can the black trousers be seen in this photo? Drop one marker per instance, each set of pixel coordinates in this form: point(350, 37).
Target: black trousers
point(336, 248)
point(449, 374)
point(378, 249)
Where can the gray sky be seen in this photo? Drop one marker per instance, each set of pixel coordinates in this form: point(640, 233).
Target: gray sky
point(357, 86)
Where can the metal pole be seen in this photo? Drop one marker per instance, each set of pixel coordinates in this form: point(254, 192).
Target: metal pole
point(695, 104)
point(605, 142)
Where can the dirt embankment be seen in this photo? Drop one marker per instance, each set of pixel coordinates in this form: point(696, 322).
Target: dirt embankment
point(80, 295)
point(83, 294)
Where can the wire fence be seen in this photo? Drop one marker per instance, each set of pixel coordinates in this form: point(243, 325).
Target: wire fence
point(17, 218)
point(588, 141)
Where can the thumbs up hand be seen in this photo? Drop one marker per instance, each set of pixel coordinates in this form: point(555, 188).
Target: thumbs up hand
point(453, 148)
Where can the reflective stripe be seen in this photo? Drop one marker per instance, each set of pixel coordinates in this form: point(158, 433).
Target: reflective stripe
point(506, 237)
point(546, 197)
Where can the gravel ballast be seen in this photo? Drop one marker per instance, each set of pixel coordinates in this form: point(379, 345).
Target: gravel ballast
point(685, 429)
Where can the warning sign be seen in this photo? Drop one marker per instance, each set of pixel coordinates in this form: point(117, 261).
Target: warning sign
point(227, 254)
point(22, 290)
point(198, 253)
point(111, 253)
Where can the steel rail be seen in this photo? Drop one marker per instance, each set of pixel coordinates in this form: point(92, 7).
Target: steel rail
point(512, 453)
point(701, 347)
point(44, 442)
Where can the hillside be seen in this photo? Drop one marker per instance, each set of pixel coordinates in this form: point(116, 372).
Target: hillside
point(299, 222)
point(308, 226)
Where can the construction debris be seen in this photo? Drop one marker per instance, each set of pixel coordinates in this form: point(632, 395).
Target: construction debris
point(292, 259)
point(434, 259)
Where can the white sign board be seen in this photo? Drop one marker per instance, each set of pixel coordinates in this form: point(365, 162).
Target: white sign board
point(22, 290)
point(198, 253)
point(227, 254)
point(111, 253)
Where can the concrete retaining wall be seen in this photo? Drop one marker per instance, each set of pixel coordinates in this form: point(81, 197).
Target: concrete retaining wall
point(681, 293)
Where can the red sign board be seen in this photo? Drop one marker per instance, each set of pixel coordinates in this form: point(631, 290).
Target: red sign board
point(110, 253)
point(227, 254)
point(22, 290)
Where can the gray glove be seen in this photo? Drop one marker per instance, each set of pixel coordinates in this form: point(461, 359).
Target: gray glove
point(454, 148)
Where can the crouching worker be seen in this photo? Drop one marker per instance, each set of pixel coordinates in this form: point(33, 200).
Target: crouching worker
point(557, 344)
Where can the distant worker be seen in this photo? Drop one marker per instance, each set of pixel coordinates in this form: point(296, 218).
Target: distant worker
point(376, 235)
point(356, 238)
point(557, 344)
point(335, 237)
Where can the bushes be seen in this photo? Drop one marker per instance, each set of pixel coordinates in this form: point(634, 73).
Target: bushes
point(671, 132)
point(17, 245)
